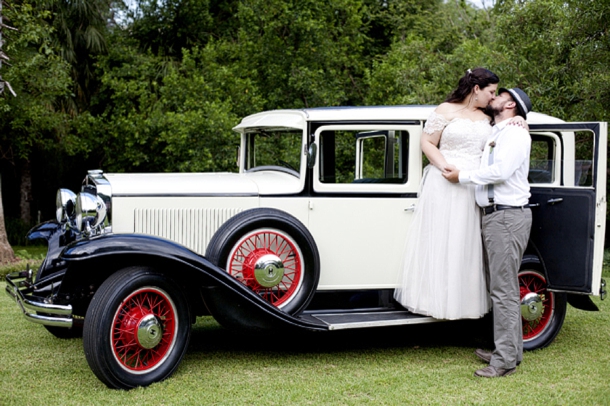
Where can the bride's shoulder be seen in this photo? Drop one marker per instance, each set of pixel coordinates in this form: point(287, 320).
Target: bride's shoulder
point(442, 112)
point(449, 111)
point(444, 109)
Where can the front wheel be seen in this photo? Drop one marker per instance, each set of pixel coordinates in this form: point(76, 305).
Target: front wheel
point(137, 328)
point(542, 311)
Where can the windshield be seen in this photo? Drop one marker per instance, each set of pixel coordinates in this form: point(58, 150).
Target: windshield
point(274, 148)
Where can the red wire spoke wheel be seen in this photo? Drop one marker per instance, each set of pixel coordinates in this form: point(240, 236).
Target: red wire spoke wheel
point(144, 330)
point(272, 253)
point(137, 328)
point(538, 304)
point(542, 311)
point(270, 263)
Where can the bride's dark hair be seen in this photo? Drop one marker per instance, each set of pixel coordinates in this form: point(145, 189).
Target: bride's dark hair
point(478, 76)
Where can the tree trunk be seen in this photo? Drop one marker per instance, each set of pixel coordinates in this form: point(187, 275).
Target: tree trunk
point(6, 251)
point(26, 192)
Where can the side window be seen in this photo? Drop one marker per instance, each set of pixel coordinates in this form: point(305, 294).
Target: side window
point(562, 159)
point(542, 160)
point(583, 158)
point(364, 156)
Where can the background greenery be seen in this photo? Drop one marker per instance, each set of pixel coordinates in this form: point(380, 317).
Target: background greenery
point(418, 365)
point(158, 86)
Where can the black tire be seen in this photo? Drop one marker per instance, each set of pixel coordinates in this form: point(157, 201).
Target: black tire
point(546, 321)
point(127, 341)
point(245, 238)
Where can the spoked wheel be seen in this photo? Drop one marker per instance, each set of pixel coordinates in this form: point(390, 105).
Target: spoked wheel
point(270, 263)
point(542, 311)
point(270, 252)
point(136, 329)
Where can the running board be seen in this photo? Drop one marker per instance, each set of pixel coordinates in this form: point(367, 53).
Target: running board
point(349, 320)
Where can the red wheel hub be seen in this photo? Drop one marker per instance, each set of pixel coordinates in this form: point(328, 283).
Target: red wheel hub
point(144, 330)
point(532, 287)
point(269, 263)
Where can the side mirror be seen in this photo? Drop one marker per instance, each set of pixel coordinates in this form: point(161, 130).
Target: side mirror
point(311, 155)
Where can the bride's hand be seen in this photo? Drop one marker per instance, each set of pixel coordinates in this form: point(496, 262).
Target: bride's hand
point(519, 121)
point(448, 168)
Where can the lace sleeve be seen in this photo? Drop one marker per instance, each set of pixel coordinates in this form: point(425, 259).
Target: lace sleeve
point(435, 123)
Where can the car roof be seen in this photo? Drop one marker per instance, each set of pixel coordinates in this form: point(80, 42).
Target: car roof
point(297, 118)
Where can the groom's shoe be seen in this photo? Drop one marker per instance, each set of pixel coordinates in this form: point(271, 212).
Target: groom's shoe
point(483, 355)
point(493, 372)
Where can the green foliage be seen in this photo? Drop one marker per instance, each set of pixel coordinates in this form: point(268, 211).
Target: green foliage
point(557, 51)
point(304, 53)
point(424, 64)
point(38, 76)
point(159, 116)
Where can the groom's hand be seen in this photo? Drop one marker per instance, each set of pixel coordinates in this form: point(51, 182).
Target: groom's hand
point(452, 174)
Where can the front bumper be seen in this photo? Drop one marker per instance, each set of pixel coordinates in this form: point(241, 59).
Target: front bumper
point(36, 309)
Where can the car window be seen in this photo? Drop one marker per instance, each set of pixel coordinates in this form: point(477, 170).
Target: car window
point(364, 156)
point(583, 158)
point(542, 160)
point(274, 147)
point(562, 159)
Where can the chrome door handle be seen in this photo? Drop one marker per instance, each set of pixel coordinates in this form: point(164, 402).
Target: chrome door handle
point(410, 208)
point(556, 200)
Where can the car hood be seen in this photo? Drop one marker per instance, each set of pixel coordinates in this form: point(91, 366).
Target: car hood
point(177, 184)
point(203, 184)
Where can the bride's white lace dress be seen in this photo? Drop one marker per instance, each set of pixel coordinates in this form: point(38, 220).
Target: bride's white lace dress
point(443, 273)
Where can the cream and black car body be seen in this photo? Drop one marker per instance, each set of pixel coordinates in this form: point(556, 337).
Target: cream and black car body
point(308, 234)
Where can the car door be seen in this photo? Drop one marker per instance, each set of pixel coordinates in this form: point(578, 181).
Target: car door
point(365, 185)
point(568, 187)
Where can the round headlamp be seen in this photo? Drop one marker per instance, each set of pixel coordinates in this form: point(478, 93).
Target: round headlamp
point(90, 211)
point(65, 202)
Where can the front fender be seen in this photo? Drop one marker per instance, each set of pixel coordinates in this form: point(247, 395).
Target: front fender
point(90, 262)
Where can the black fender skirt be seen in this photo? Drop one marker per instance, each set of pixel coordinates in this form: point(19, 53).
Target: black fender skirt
point(230, 302)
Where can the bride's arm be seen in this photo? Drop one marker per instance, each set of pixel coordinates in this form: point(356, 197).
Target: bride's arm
point(429, 146)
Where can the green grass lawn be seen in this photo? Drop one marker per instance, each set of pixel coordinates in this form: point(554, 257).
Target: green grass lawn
point(421, 365)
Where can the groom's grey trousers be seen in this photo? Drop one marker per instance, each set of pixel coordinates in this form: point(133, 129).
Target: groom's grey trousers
point(505, 236)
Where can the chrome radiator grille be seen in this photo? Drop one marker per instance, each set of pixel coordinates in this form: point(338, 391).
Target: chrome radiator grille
point(192, 228)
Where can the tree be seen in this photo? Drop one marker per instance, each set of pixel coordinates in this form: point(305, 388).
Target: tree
point(39, 77)
point(430, 51)
point(6, 251)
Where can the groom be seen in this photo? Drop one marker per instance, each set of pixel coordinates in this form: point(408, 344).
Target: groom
point(503, 193)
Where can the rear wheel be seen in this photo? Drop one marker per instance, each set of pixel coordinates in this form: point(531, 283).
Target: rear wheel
point(137, 328)
point(542, 311)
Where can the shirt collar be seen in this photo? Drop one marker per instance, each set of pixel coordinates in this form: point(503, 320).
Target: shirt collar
point(499, 126)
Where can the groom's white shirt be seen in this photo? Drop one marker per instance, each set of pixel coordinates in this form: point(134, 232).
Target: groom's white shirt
point(509, 170)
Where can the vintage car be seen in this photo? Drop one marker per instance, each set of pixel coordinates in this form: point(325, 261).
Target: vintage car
point(308, 234)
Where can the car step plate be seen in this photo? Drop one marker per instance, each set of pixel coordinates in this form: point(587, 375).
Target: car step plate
point(342, 321)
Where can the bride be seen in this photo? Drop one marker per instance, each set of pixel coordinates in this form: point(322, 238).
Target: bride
point(443, 271)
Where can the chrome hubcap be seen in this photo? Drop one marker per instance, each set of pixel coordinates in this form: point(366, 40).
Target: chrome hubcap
point(269, 270)
point(531, 306)
point(150, 331)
